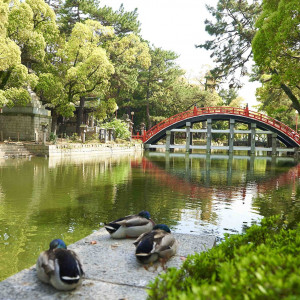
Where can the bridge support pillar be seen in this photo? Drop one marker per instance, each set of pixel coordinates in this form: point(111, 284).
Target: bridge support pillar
point(252, 134)
point(169, 140)
point(189, 138)
point(208, 137)
point(296, 153)
point(274, 142)
point(231, 135)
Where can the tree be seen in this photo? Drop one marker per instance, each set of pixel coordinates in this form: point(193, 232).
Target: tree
point(122, 21)
point(72, 12)
point(230, 97)
point(186, 95)
point(83, 70)
point(14, 77)
point(156, 84)
point(274, 102)
point(129, 55)
point(276, 47)
point(33, 27)
point(233, 30)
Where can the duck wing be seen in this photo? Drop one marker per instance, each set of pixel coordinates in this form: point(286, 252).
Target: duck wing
point(165, 242)
point(145, 244)
point(135, 221)
point(70, 269)
point(113, 226)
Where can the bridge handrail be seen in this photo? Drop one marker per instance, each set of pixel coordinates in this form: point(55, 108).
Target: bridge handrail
point(222, 110)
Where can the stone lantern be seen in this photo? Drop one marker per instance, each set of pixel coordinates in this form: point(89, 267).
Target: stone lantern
point(83, 129)
point(44, 130)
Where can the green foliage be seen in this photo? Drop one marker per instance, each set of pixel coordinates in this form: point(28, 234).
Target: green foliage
point(120, 127)
point(275, 43)
point(156, 83)
point(74, 11)
point(276, 47)
point(32, 26)
point(53, 137)
point(260, 264)
point(274, 102)
point(16, 96)
point(228, 95)
point(74, 137)
point(233, 30)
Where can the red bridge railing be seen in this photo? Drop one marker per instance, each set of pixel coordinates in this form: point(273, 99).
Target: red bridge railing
point(223, 110)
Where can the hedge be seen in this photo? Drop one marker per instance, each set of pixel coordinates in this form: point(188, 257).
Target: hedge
point(263, 263)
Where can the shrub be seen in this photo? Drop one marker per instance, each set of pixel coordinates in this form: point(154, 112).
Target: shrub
point(74, 137)
point(120, 127)
point(53, 137)
point(263, 263)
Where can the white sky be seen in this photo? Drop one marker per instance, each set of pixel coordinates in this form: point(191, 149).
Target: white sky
point(178, 25)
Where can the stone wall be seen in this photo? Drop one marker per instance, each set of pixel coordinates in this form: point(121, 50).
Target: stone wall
point(24, 123)
point(23, 127)
point(66, 150)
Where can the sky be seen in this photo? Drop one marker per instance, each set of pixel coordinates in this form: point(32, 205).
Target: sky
point(178, 25)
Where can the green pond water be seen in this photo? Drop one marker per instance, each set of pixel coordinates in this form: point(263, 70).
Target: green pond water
point(42, 199)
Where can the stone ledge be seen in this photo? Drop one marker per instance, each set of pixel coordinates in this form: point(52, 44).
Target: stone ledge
point(66, 150)
point(111, 270)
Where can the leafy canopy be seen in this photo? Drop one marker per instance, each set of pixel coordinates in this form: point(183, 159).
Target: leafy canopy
point(276, 46)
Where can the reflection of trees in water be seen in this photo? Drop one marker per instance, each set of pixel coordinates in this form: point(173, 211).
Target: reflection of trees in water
point(281, 196)
point(203, 195)
point(40, 202)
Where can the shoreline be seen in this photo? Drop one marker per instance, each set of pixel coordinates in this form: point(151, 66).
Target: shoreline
point(27, 149)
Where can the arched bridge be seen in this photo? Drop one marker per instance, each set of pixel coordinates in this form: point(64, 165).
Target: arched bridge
point(265, 123)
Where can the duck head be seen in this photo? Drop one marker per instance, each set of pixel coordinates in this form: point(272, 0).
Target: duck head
point(144, 214)
point(57, 243)
point(162, 227)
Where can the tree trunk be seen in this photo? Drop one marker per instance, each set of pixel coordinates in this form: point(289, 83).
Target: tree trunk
point(147, 98)
point(148, 112)
point(293, 98)
point(80, 115)
point(54, 122)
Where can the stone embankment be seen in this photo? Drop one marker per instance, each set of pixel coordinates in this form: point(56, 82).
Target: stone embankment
point(63, 150)
point(111, 270)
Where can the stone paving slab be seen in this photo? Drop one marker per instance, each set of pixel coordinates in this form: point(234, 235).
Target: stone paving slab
point(111, 270)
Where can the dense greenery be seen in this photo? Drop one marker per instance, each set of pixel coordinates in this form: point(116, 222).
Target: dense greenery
point(73, 52)
point(260, 264)
point(270, 31)
point(276, 47)
point(120, 127)
point(70, 52)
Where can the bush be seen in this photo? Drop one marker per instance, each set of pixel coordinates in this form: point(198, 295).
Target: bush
point(120, 127)
point(53, 137)
point(261, 264)
point(74, 137)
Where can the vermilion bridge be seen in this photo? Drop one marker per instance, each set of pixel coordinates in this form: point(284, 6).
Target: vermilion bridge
point(257, 124)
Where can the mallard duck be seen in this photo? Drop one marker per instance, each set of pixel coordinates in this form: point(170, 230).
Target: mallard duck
point(59, 267)
point(130, 226)
point(159, 243)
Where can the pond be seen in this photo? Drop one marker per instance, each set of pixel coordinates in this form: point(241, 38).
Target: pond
point(42, 199)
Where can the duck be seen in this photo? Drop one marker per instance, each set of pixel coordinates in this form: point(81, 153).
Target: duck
point(156, 244)
point(59, 267)
point(130, 226)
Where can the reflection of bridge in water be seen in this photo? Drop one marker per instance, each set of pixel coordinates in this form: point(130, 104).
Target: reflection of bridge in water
point(274, 130)
point(206, 189)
